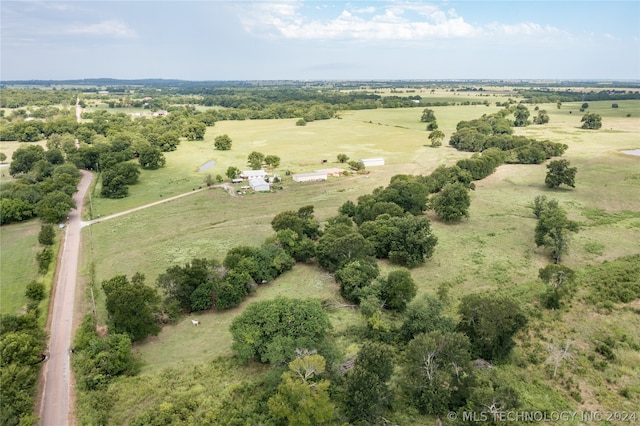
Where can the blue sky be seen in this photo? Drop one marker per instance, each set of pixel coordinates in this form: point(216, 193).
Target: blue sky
point(274, 40)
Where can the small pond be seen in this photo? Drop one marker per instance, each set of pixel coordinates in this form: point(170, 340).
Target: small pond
point(209, 164)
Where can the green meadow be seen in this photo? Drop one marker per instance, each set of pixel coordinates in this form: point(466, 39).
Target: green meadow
point(492, 251)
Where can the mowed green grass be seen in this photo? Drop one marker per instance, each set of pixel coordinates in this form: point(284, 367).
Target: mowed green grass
point(18, 266)
point(492, 250)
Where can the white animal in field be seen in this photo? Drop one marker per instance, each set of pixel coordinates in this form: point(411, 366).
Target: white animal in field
point(195, 322)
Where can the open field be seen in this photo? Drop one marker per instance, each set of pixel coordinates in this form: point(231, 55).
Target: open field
point(493, 250)
point(18, 266)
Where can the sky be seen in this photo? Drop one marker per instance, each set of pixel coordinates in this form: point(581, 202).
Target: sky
point(320, 40)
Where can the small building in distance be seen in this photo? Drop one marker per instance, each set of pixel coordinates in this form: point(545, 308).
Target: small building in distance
point(371, 162)
point(310, 177)
point(253, 174)
point(259, 184)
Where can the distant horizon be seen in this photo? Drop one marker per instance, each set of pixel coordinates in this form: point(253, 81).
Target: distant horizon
point(417, 80)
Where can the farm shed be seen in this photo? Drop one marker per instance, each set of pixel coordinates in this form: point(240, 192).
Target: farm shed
point(253, 174)
point(370, 162)
point(309, 177)
point(259, 184)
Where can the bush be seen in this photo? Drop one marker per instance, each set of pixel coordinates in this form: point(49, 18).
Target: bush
point(35, 291)
point(44, 258)
point(47, 235)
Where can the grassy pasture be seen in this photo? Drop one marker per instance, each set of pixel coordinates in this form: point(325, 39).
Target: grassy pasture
point(399, 138)
point(18, 266)
point(494, 249)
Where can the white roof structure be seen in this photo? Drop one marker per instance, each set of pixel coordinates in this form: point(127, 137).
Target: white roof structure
point(369, 162)
point(252, 174)
point(310, 177)
point(259, 184)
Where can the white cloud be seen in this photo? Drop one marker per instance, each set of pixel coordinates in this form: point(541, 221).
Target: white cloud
point(388, 23)
point(399, 20)
point(111, 28)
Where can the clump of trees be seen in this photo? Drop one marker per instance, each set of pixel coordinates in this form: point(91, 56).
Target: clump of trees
point(553, 227)
point(272, 330)
point(22, 344)
point(559, 172)
point(591, 121)
point(43, 187)
point(222, 142)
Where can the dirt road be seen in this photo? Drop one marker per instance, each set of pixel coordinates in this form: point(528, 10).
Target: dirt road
point(57, 393)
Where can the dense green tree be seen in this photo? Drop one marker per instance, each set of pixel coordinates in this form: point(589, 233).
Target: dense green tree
point(132, 306)
point(232, 172)
point(354, 276)
point(343, 158)
point(222, 142)
point(194, 130)
point(14, 210)
point(47, 235)
point(3, 157)
point(428, 115)
point(44, 258)
point(97, 361)
point(436, 371)
point(559, 172)
point(521, 114)
point(490, 322)
point(356, 166)
point(255, 160)
point(180, 282)
point(35, 291)
point(424, 316)
point(301, 222)
point(452, 203)
point(272, 330)
point(272, 161)
point(232, 290)
point(591, 121)
point(24, 158)
point(367, 391)
point(151, 158)
point(542, 117)
point(491, 396)
point(408, 192)
point(397, 289)
point(369, 208)
point(301, 248)
point(54, 207)
point(559, 280)
point(552, 230)
point(339, 245)
point(406, 240)
point(302, 397)
point(436, 137)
